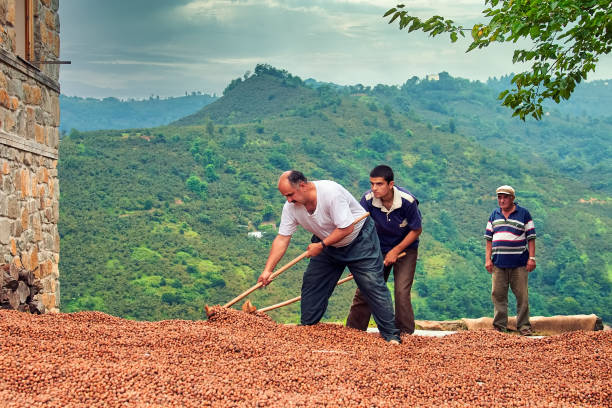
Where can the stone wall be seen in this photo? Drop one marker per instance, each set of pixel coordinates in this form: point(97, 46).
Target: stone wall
point(29, 142)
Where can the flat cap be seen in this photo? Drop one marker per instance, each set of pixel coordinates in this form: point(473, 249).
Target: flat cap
point(505, 190)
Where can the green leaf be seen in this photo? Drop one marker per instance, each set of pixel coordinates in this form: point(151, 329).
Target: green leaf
point(390, 11)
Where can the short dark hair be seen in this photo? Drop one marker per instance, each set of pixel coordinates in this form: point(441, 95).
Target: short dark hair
point(296, 177)
point(383, 171)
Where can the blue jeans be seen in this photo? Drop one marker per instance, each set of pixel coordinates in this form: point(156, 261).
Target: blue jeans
point(364, 260)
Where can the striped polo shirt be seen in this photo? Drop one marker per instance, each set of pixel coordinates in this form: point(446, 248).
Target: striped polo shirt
point(510, 236)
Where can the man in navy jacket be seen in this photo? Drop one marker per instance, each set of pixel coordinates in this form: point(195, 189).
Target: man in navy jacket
point(397, 217)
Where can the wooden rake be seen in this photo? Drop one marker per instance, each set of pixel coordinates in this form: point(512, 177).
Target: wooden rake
point(251, 309)
point(248, 307)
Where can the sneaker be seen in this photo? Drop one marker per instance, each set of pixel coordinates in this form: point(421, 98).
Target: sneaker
point(526, 332)
point(394, 342)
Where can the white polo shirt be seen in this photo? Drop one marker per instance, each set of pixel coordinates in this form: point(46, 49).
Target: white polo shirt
point(336, 208)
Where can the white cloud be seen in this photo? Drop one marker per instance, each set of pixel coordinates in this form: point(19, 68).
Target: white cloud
point(203, 45)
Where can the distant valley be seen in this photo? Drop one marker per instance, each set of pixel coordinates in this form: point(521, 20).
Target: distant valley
point(154, 219)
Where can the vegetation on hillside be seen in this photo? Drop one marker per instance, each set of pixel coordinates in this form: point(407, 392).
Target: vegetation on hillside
point(154, 222)
point(112, 113)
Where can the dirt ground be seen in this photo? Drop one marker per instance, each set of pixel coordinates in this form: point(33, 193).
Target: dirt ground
point(234, 359)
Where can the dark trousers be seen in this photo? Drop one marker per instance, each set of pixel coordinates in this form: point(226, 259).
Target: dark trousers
point(364, 260)
point(403, 275)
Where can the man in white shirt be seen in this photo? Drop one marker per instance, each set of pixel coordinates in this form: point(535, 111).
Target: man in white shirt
point(328, 211)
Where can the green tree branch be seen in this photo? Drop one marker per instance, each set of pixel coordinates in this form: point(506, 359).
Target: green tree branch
point(569, 36)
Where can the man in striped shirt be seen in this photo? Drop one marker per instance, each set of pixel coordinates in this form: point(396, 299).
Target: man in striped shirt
point(510, 256)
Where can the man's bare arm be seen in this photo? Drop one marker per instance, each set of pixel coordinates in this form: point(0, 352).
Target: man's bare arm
point(277, 251)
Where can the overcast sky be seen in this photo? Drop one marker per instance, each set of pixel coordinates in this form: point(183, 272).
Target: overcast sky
point(139, 48)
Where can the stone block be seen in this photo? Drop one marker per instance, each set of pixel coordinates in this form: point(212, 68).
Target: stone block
point(25, 219)
point(13, 207)
point(22, 121)
point(49, 301)
point(55, 193)
point(39, 134)
point(12, 35)
point(5, 231)
point(45, 36)
point(36, 227)
point(34, 184)
point(49, 285)
point(25, 260)
point(3, 204)
point(55, 111)
point(39, 273)
point(30, 115)
point(56, 138)
point(17, 230)
point(50, 20)
point(16, 261)
point(56, 243)
point(9, 122)
point(32, 206)
point(8, 185)
point(10, 13)
point(24, 183)
point(15, 87)
point(32, 94)
point(41, 194)
point(55, 211)
point(48, 241)
point(4, 98)
point(56, 45)
point(34, 257)
point(40, 115)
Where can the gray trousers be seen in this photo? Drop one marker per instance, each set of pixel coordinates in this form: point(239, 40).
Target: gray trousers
point(517, 279)
point(364, 259)
point(403, 276)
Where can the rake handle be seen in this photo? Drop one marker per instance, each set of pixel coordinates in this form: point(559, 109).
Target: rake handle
point(298, 298)
point(272, 276)
point(279, 271)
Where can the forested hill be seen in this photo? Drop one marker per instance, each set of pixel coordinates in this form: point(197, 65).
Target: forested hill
point(154, 222)
point(112, 113)
point(257, 98)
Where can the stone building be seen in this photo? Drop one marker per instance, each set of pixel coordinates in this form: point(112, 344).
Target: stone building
point(29, 142)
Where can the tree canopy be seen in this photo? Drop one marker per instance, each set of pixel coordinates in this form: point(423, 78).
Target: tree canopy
point(568, 38)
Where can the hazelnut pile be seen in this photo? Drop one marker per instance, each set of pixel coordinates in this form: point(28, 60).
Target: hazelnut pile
point(235, 359)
